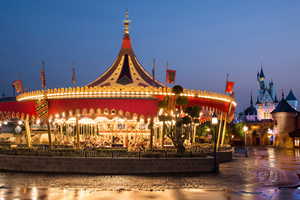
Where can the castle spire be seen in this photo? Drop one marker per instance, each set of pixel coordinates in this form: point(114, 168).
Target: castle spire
point(262, 75)
point(251, 101)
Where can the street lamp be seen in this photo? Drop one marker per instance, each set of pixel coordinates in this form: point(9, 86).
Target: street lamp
point(245, 130)
point(214, 121)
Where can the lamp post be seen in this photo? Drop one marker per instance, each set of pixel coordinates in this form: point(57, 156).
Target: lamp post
point(245, 130)
point(214, 121)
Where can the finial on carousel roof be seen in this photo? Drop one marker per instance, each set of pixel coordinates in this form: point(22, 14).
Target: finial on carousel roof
point(126, 22)
point(282, 94)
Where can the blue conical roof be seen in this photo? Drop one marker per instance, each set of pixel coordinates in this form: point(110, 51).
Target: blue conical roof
point(283, 106)
point(262, 75)
point(291, 96)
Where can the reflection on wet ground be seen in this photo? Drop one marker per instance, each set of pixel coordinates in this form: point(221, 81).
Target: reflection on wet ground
point(258, 176)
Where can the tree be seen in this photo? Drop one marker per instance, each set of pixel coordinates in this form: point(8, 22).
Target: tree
point(179, 133)
point(238, 130)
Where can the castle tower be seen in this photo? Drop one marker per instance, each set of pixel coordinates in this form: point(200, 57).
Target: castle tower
point(266, 98)
point(292, 100)
point(272, 89)
point(284, 122)
point(262, 84)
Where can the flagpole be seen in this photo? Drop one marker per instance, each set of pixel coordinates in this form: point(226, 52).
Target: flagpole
point(44, 79)
point(226, 82)
point(153, 73)
point(167, 73)
point(74, 75)
point(21, 83)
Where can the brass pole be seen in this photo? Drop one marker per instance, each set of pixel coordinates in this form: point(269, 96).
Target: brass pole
point(77, 134)
point(163, 135)
point(151, 135)
point(27, 128)
point(49, 135)
point(224, 130)
point(219, 133)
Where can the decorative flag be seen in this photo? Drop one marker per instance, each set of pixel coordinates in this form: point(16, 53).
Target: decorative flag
point(229, 87)
point(171, 76)
point(73, 76)
point(41, 107)
point(18, 86)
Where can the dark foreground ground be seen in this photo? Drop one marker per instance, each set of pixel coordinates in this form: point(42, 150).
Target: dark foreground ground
point(267, 173)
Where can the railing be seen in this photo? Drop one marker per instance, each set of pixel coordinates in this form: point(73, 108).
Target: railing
point(112, 153)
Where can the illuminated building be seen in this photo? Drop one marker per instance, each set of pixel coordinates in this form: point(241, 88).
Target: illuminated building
point(118, 107)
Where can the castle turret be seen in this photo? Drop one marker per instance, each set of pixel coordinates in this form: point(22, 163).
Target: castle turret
point(272, 89)
point(284, 122)
point(292, 100)
point(262, 85)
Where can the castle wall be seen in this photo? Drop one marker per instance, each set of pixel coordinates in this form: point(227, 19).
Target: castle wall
point(284, 123)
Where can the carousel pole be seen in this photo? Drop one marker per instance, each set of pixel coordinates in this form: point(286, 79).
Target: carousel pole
point(163, 135)
point(49, 134)
point(27, 128)
point(61, 130)
point(77, 134)
point(48, 122)
point(151, 135)
point(219, 132)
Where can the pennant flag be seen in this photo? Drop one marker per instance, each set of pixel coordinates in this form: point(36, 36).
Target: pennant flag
point(229, 86)
point(171, 76)
point(41, 107)
point(43, 78)
point(73, 76)
point(18, 86)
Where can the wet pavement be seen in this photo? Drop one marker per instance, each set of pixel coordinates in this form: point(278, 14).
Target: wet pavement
point(267, 173)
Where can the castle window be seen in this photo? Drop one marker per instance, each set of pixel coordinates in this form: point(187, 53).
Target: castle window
point(267, 103)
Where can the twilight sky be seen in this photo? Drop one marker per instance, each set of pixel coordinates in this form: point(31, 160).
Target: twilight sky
point(202, 40)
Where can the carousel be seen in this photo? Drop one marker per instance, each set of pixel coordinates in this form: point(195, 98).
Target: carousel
point(117, 110)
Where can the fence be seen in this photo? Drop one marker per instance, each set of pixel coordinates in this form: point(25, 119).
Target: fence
point(109, 153)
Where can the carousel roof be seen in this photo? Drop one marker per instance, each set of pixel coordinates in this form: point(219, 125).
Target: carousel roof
point(126, 70)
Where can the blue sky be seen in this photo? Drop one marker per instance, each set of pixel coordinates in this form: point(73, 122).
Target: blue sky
point(202, 40)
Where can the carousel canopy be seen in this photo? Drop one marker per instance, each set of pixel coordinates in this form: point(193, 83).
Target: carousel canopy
point(126, 70)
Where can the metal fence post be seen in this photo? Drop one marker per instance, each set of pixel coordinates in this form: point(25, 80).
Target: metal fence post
point(85, 153)
point(140, 153)
point(59, 153)
point(112, 154)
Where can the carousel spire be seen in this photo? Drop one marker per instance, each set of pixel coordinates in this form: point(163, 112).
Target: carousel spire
point(126, 22)
point(126, 70)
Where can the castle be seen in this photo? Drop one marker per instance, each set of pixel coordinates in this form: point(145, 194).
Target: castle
point(266, 100)
point(272, 122)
